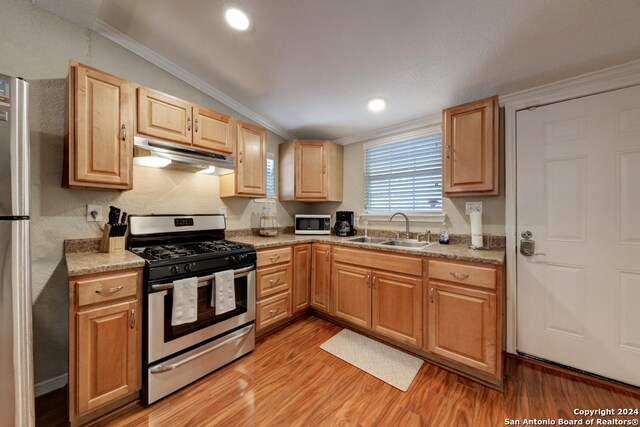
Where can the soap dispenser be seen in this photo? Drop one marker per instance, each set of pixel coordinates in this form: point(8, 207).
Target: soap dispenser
point(444, 234)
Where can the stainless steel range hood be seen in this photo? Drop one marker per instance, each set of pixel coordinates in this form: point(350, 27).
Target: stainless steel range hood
point(189, 156)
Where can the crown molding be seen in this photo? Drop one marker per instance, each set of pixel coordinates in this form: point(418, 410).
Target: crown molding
point(170, 67)
point(611, 78)
point(413, 127)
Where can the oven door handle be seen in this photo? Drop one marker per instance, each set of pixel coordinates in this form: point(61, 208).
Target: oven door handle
point(241, 272)
point(165, 368)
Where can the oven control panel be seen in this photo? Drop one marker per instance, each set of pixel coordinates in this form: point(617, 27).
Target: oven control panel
point(200, 267)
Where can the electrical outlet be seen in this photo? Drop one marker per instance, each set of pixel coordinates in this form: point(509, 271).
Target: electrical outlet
point(94, 213)
point(223, 210)
point(473, 207)
point(356, 221)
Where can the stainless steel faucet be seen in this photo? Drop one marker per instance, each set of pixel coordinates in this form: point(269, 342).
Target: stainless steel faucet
point(406, 218)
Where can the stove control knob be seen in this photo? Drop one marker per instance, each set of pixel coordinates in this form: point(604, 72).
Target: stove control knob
point(174, 269)
point(233, 259)
point(187, 267)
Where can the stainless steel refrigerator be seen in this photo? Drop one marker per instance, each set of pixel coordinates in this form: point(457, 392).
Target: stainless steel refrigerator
point(16, 359)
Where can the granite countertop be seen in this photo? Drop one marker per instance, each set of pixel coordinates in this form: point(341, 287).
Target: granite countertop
point(82, 257)
point(453, 251)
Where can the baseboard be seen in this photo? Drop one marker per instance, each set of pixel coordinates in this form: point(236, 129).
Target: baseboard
point(51, 384)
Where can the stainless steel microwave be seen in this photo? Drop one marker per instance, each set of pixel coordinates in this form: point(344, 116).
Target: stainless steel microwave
point(313, 224)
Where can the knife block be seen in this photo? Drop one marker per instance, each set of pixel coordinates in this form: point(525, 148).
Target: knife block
point(111, 245)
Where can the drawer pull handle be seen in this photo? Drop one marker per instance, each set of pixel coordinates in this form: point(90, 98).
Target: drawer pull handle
point(274, 282)
point(109, 291)
point(274, 311)
point(123, 132)
point(133, 318)
point(189, 124)
point(460, 276)
point(431, 295)
point(274, 258)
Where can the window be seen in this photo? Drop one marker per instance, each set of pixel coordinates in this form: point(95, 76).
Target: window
point(271, 179)
point(404, 175)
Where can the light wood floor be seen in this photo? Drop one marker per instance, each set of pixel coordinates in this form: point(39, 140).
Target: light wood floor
point(289, 381)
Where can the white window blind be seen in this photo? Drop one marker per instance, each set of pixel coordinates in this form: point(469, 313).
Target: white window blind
point(271, 180)
point(404, 175)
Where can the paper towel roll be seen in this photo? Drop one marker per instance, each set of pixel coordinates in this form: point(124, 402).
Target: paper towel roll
point(476, 229)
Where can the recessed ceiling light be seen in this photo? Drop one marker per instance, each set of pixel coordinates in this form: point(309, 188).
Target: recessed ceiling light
point(377, 104)
point(237, 19)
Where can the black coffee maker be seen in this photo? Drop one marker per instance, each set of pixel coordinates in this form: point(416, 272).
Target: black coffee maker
point(344, 224)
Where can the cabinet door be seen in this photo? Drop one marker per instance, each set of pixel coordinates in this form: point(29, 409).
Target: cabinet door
point(103, 130)
point(213, 131)
point(463, 325)
point(470, 148)
point(301, 277)
point(351, 291)
point(108, 362)
point(252, 160)
point(391, 291)
point(311, 170)
point(321, 277)
point(163, 116)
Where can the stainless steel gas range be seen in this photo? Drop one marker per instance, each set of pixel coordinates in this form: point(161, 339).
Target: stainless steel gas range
point(178, 247)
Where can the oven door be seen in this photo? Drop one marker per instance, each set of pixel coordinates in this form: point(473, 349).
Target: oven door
point(165, 340)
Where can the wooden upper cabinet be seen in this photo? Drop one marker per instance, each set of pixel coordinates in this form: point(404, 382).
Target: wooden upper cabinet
point(471, 148)
point(250, 176)
point(163, 116)
point(213, 131)
point(99, 150)
point(311, 170)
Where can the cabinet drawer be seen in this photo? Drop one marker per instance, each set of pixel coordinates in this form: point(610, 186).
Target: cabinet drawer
point(273, 280)
point(273, 309)
point(106, 287)
point(474, 275)
point(274, 256)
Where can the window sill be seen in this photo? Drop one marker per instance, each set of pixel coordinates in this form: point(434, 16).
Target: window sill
point(413, 217)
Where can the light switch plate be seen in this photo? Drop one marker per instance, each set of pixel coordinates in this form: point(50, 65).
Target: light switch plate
point(473, 207)
point(98, 210)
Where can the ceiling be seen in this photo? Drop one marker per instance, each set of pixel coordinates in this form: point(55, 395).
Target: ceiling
point(308, 67)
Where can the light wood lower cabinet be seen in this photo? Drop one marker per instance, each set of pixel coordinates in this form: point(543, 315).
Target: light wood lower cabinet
point(273, 283)
point(351, 290)
point(463, 325)
point(385, 302)
point(464, 303)
point(301, 277)
point(104, 342)
point(321, 276)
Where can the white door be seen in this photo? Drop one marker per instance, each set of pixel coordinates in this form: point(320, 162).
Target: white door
point(578, 193)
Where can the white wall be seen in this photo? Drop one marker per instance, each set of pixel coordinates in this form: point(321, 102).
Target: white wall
point(454, 208)
point(38, 46)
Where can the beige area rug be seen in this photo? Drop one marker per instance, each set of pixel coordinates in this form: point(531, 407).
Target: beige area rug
point(392, 366)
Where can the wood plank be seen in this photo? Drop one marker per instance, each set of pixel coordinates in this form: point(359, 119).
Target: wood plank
point(289, 380)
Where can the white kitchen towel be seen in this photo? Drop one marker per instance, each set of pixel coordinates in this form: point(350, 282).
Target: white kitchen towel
point(185, 301)
point(223, 297)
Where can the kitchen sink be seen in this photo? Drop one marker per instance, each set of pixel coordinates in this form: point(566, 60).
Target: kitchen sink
point(407, 243)
point(364, 239)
